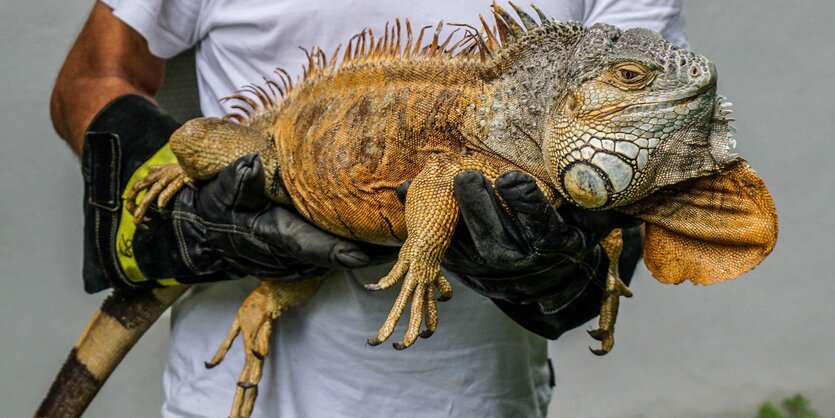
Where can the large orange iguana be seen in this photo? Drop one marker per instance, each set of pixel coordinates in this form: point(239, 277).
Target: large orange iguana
point(601, 118)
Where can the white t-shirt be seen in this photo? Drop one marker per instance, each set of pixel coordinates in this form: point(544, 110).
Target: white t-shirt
point(478, 364)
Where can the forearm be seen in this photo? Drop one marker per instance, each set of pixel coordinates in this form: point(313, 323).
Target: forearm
point(75, 102)
point(108, 60)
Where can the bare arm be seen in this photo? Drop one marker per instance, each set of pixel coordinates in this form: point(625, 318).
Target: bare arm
point(109, 59)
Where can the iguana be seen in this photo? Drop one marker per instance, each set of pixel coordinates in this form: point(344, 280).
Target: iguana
point(599, 117)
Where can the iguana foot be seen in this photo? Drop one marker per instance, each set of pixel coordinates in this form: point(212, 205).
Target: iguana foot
point(605, 333)
point(161, 184)
point(422, 278)
point(615, 288)
point(254, 322)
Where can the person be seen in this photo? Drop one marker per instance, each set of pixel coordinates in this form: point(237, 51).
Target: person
point(480, 362)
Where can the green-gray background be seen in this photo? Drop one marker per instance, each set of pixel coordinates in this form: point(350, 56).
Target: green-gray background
point(682, 351)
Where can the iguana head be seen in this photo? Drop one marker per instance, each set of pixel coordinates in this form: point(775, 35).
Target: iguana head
point(635, 113)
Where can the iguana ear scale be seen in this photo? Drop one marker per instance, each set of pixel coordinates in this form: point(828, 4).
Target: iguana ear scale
point(708, 229)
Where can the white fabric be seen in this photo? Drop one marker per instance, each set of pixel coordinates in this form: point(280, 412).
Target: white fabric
point(478, 364)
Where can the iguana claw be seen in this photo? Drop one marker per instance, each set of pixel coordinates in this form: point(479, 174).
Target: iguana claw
point(160, 185)
point(600, 352)
point(597, 334)
point(419, 287)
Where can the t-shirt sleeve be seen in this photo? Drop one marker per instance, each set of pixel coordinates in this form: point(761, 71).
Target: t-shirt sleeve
point(663, 16)
point(169, 26)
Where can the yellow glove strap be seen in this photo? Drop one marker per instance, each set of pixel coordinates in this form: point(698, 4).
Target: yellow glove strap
point(127, 227)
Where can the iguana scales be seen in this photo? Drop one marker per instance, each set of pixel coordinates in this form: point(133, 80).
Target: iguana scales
point(599, 117)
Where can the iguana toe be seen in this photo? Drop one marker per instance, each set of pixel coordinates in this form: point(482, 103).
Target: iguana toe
point(418, 289)
point(160, 185)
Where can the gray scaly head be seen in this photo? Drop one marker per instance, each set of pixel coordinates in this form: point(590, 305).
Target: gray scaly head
point(634, 113)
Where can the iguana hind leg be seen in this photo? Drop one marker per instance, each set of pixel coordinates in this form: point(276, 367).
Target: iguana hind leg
point(253, 323)
point(615, 288)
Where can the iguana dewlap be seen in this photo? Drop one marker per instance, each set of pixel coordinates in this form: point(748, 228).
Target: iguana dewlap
point(599, 117)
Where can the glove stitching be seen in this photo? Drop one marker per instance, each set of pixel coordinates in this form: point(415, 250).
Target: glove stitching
point(178, 229)
point(98, 234)
point(181, 215)
point(227, 228)
point(206, 226)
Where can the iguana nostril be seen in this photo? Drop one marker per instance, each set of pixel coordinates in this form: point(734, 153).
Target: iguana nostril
point(585, 186)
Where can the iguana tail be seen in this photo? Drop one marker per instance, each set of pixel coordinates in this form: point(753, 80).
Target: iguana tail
point(123, 318)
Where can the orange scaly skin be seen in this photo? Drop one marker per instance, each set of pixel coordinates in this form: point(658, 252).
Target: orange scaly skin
point(389, 121)
point(599, 117)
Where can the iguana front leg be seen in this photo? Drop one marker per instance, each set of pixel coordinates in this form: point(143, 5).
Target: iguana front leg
point(203, 147)
point(615, 288)
point(431, 214)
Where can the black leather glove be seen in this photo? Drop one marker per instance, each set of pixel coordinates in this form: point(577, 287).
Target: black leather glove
point(543, 267)
point(224, 229)
point(228, 224)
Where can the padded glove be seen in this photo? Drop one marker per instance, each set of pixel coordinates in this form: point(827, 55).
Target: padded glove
point(223, 229)
point(228, 224)
point(540, 265)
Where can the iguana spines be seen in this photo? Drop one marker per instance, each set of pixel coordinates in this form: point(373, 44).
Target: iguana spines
point(492, 49)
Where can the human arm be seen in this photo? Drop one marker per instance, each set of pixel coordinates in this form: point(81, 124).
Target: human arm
point(107, 60)
point(103, 107)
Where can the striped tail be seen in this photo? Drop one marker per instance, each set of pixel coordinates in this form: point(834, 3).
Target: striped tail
point(123, 318)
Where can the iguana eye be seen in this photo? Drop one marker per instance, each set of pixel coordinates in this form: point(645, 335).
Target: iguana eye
point(628, 74)
point(631, 75)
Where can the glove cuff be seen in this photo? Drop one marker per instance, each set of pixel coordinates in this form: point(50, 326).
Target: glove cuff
point(129, 134)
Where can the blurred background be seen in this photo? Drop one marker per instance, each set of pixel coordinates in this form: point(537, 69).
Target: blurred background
point(681, 351)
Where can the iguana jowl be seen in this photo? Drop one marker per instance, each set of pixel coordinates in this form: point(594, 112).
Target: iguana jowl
point(600, 117)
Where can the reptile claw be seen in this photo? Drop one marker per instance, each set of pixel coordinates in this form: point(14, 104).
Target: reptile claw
point(426, 333)
point(598, 352)
point(597, 334)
